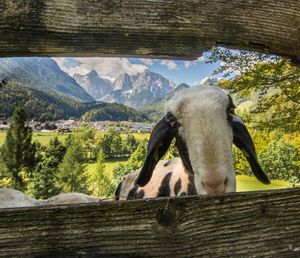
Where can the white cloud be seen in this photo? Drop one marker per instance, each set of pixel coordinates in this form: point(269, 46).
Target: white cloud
point(188, 64)
point(108, 68)
point(170, 64)
point(146, 61)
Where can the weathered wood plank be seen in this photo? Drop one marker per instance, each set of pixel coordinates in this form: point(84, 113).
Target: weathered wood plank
point(151, 28)
point(253, 224)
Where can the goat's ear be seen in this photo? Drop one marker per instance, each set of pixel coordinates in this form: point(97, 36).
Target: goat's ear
point(183, 153)
point(160, 140)
point(243, 140)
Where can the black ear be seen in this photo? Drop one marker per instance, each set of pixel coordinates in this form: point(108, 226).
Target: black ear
point(183, 153)
point(243, 140)
point(160, 140)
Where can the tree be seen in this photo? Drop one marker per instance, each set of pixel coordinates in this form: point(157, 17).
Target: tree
point(280, 160)
point(111, 144)
point(130, 144)
point(18, 151)
point(56, 151)
point(43, 184)
point(101, 180)
point(274, 81)
point(72, 177)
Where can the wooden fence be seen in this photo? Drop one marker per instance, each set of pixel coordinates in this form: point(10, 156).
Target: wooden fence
point(253, 224)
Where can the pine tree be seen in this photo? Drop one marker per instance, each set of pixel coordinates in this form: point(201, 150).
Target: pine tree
point(72, 177)
point(56, 150)
point(101, 180)
point(18, 151)
point(43, 183)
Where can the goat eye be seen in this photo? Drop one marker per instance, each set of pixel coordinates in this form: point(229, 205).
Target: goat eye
point(231, 111)
point(171, 119)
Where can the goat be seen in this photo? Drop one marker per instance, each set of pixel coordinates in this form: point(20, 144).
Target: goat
point(10, 198)
point(203, 123)
point(69, 198)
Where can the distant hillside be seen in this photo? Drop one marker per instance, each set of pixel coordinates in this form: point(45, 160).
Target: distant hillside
point(43, 74)
point(44, 106)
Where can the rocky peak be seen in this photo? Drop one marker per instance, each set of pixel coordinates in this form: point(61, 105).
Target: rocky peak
point(92, 74)
point(94, 84)
point(122, 82)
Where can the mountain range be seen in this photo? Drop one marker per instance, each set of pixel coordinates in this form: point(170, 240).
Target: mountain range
point(44, 74)
point(49, 93)
point(132, 90)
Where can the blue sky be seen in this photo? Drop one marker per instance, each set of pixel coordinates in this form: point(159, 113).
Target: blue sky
point(189, 72)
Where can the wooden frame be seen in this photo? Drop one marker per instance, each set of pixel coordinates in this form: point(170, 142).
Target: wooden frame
point(254, 224)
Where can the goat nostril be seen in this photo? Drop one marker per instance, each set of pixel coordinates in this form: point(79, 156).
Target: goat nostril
point(213, 188)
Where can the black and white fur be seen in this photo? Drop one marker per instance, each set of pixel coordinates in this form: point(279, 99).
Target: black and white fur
point(202, 121)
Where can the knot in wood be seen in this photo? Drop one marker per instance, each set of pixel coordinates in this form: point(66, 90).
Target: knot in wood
point(166, 217)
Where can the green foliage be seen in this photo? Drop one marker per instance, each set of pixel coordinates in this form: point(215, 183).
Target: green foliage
point(86, 137)
point(280, 160)
point(130, 144)
point(72, 176)
point(137, 158)
point(101, 180)
point(18, 151)
point(113, 112)
point(237, 60)
point(56, 150)
point(43, 183)
point(274, 81)
point(111, 144)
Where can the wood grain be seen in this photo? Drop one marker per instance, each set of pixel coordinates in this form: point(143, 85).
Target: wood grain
point(147, 28)
point(253, 224)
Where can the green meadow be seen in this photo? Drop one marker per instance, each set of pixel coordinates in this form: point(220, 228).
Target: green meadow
point(250, 183)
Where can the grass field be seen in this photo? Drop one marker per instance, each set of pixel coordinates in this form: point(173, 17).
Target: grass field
point(109, 165)
point(249, 183)
point(45, 137)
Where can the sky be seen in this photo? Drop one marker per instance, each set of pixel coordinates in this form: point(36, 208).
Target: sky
point(189, 72)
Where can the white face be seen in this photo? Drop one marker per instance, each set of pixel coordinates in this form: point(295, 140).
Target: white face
point(203, 117)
